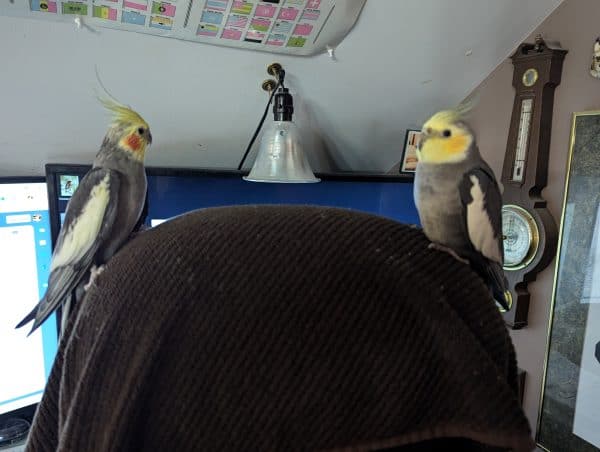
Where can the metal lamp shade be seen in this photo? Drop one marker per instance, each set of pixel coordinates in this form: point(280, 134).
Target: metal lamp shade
point(281, 158)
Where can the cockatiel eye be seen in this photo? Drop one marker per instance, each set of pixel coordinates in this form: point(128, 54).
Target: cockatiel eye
point(141, 130)
point(447, 133)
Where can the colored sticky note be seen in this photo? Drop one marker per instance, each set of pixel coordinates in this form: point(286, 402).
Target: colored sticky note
point(142, 5)
point(282, 27)
point(207, 30)
point(265, 11)
point(164, 23)
point(219, 5)
point(211, 17)
point(74, 8)
point(288, 13)
point(260, 24)
point(241, 7)
point(164, 8)
point(296, 41)
point(276, 39)
point(231, 33)
point(44, 6)
point(254, 36)
point(235, 20)
point(303, 29)
point(104, 12)
point(310, 14)
point(133, 17)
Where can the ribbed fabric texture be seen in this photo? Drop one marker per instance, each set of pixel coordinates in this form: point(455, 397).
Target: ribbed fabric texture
point(279, 328)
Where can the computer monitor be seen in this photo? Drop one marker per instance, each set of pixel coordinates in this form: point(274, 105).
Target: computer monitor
point(25, 252)
point(174, 191)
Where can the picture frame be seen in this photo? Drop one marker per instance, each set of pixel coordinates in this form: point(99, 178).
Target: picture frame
point(408, 162)
point(68, 185)
point(570, 409)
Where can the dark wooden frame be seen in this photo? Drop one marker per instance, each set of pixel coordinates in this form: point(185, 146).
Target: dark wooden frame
point(527, 194)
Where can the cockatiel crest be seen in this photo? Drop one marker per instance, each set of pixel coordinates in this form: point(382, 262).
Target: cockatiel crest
point(446, 137)
point(130, 131)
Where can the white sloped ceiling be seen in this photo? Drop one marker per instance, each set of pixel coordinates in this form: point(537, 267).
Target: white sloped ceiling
point(403, 60)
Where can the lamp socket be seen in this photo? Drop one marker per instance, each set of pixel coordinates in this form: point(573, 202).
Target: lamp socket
point(274, 69)
point(269, 85)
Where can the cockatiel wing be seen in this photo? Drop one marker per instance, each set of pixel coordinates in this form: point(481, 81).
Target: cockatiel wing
point(482, 202)
point(88, 222)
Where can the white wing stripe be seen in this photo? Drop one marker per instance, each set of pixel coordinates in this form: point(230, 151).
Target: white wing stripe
point(479, 225)
point(84, 230)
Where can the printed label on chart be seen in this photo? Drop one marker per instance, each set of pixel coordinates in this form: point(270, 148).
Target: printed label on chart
point(43, 6)
point(232, 33)
point(163, 23)
point(288, 13)
point(217, 5)
point(236, 20)
point(296, 41)
point(74, 8)
point(311, 14)
point(207, 30)
point(282, 27)
point(303, 29)
point(141, 5)
point(241, 7)
point(265, 11)
point(132, 17)
point(166, 9)
point(260, 25)
point(212, 17)
point(254, 36)
point(276, 39)
point(104, 12)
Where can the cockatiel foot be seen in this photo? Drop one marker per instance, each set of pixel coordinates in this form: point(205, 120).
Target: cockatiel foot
point(142, 229)
point(94, 273)
point(450, 251)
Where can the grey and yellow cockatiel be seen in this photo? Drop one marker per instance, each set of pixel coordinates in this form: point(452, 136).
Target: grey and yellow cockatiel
point(101, 214)
point(458, 199)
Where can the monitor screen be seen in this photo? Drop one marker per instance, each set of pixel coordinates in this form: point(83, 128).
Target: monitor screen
point(25, 251)
point(172, 192)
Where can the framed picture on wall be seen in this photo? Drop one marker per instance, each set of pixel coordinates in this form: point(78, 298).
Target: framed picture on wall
point(408, 162)
point(570, 413)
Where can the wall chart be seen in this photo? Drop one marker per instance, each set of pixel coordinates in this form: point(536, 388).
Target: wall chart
point(301, 27)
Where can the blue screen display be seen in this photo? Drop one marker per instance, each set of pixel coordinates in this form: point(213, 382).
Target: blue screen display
point(173, 192)
point(25, 241)
point(169, 196)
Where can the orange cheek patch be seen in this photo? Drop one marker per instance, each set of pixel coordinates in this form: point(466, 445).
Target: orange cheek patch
point(457, 144)
point(133, 142)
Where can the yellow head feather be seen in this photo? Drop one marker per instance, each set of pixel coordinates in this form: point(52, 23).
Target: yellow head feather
point(130, 131)
point(122, 114)
point(445, 138)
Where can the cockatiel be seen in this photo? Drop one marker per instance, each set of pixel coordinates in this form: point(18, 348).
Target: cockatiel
point(458, 199)
point(102, 212)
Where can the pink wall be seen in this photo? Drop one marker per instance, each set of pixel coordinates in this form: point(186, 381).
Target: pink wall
point(575, 24)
